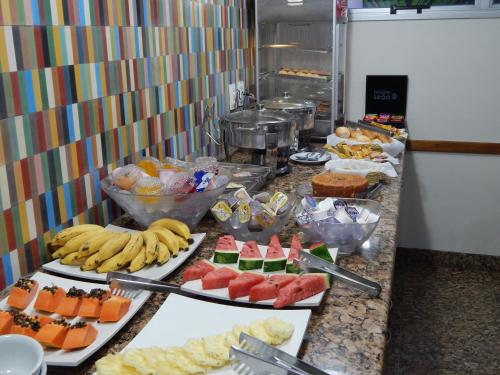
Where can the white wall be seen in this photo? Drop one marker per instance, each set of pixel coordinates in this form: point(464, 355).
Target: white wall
point(450, 201)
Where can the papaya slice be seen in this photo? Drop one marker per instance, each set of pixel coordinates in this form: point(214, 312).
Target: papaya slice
point(114, 308)
point(44, 320)
point(92, 303)
point(25, 325)
point(80, 335)
point(53, 334)
point(48, 298)
point(70, 303)
point(6, 321)
point(22, 293)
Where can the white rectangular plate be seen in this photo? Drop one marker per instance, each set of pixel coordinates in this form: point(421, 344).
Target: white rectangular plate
point(59, 357)
point(181, 318)
point(195, 285)
point(154, 271)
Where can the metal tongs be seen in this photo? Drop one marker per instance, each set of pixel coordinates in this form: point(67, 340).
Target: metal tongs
point(366, 125)
point(306, 261)
point(258, 358)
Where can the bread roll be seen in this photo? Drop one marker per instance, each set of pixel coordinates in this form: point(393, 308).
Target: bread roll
point(362, 138)
point(343, 132)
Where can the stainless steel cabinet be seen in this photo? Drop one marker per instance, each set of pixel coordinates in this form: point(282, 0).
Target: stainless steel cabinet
point(301, 49)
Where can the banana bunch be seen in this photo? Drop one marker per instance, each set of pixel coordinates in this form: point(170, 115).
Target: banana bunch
point(91, 247)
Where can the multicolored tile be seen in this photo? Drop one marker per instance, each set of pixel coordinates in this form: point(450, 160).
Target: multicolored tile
point(86, 86)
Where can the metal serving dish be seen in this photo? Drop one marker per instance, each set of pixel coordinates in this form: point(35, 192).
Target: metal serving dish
point(258, 129)
point(302, 110)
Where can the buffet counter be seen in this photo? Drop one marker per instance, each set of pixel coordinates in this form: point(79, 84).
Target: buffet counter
point(347, 333)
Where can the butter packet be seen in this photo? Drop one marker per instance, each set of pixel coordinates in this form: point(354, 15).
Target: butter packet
point(221, 211)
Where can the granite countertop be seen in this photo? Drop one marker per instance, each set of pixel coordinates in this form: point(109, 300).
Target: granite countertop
point(347, 334)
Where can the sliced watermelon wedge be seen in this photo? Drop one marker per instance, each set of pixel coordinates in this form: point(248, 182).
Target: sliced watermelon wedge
point(295, 247)
point(304, 287)
point(240, 287)
point(197, 270)
point(321, 250)
point(275, 257)
point(250, 257)
point(226, 251)
point(219, 278)
point(268, 289)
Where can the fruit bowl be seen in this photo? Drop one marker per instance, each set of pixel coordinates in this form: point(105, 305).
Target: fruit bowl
point(250, 230)
point(346, 236)
point(186, 207)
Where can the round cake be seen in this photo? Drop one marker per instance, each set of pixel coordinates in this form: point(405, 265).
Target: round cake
point(332, 184)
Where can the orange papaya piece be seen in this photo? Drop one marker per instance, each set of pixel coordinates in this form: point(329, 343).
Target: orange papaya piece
point(92, 303)
point(70, 303)
point(25, 325)
point(53, 334)
point(22, 293)
point(48, 298)
point(80, 335)
point(114, 308)
point(44, 320)
point(6, 321)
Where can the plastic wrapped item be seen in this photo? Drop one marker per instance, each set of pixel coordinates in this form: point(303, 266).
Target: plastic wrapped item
point(207, 164)
point(150, 165)
point(148, 186)
point(179, 183)
point(125, 177)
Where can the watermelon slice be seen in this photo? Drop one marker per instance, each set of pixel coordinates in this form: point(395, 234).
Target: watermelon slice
point(250, 257)
point(275, 257)
point(321, 250)
point(240, 287)
point(226, 251)
point(268, 289)
point(295, 247)
point(219, 278)
point(197, 270)
point(304, 287)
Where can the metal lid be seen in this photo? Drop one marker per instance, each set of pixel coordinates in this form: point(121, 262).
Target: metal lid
point(258, 116)
point(287, 102)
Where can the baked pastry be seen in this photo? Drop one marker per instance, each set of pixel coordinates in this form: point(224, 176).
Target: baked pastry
point(332, 184)
point(362, 138)
point(343, 132)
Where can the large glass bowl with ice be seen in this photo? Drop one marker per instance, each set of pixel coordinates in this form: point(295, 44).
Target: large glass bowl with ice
point(345, 223)
point(150, 190)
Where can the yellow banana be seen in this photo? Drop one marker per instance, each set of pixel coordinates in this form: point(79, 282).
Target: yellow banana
point(113, 246)
point(163, 253)
point(67, 234)
point(176, 226)
point(94, 244)
point(131, 249)
point(74, 244)
point(71, 259)
point(111, 264)
point(183, 244)
point(168, 238)
point(151, 243)
point(89, 263)
point(139, 261)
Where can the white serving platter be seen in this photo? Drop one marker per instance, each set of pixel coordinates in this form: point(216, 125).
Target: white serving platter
point(154, 271)
point(223, 294)
point(181, 318)
point(59, 357)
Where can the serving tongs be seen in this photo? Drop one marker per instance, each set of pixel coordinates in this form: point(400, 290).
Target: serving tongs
point(306, 261)
point(365, 125)
point(130, 286)
point(257, 357)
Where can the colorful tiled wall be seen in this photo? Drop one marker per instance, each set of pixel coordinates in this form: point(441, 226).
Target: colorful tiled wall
point(86, 85)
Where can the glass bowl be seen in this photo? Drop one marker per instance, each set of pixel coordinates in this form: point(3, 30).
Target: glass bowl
point(245, 232)
point(188, 207)
point(347, 237)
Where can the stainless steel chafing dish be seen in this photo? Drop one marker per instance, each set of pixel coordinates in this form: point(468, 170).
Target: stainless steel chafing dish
point(303, 112)
point(266, 134)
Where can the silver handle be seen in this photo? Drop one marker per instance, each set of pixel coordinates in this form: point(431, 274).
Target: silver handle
point(347, 277)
